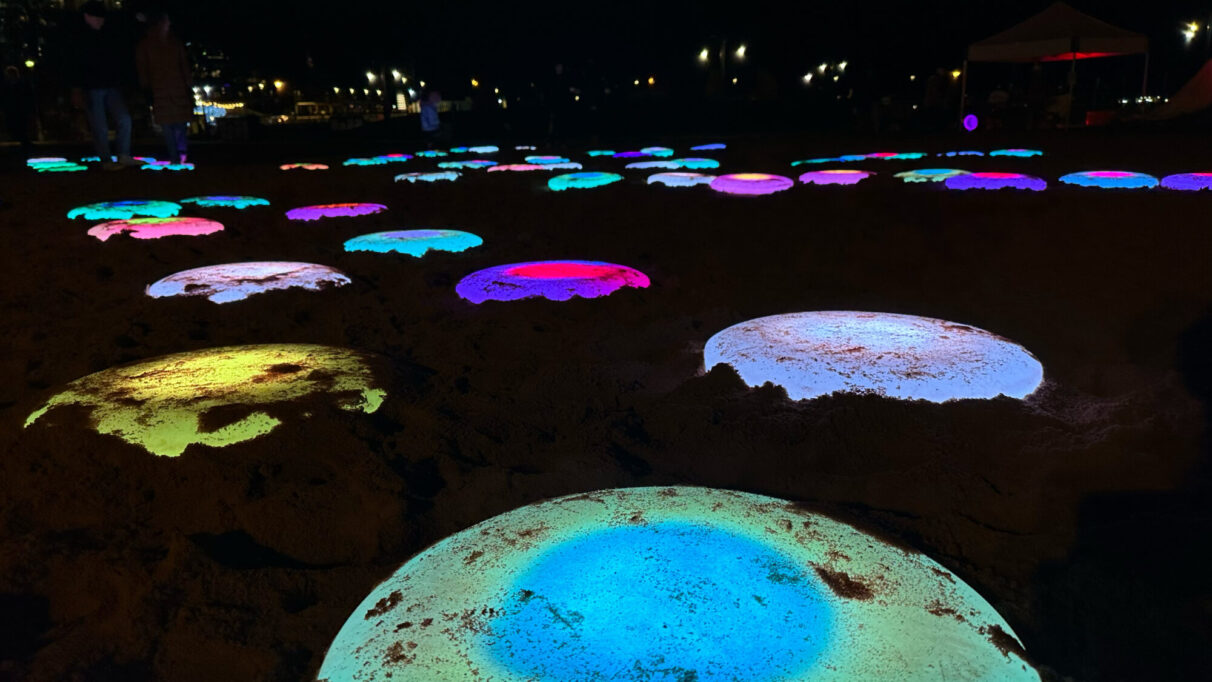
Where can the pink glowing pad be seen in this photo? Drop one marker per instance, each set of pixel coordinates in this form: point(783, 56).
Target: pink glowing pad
point(237, 281)
point(751, 183)
point(517, 167)
point(996, 181)
point(553, 280)
point(303, 166)
point(834, 177)
point(333, 211)
point(154, 228)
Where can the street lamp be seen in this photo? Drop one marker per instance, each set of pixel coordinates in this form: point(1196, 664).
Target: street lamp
point(740, 52)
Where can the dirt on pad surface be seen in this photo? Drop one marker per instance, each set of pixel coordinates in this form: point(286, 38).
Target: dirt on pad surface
point(1083, 514)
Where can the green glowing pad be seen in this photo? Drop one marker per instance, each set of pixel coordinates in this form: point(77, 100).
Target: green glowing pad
point(161, 404)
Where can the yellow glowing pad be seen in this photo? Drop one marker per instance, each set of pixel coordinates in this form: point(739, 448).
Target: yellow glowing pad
point(162, 404)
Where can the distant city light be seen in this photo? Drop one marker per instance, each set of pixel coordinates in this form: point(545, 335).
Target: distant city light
point(807, 78)
point(1190, 31)
point(734, 81)
point(422, 85)
point(278, 85)
point(703, 55)
point(637, 81)
point(912, 77)
point(740, 52)
point(379, 93)
point(822, 67)
point(835, 78)
point(29, 63)
point(841, 66)
point(370, 77)
point(475, 83)
point(651, 80)
point(955, 73)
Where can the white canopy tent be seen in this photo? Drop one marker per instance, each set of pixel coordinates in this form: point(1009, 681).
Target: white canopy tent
point(1059, 33)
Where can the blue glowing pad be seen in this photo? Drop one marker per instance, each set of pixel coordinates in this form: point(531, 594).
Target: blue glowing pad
point(652, 165)
point(1110, 180)
point(601, 152)
point(224, 201)
point(375, 161)
point(414, 242)
point(524, 148)
point(472, 164)
point(393, 158)
point(430, 154)
point(546, 160)
point(484, 149)
point(672, 585)
point(680, 179)
point(125, 210)
point(458, 150)
point(439, 176)
point(708, 147)
point(1016, 153)
point(657, 151)
point(899, 356)
point(164, 166)
point(963, 153)
point(1189, 182)
point(582, 180)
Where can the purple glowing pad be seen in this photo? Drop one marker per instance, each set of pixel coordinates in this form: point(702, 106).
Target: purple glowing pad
point(154, 228)
point(1110, 179)
point(835, 177)
point(996, 181)
point(557, 280)
point(629, 155)
point(1189, 182)
point(751, 183)
point(971, 122)
point(333, 211)
point(237, 281)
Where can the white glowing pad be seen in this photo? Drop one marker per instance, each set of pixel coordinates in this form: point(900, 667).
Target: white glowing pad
point(675, 584)
point(237, 281)
point(899, 356)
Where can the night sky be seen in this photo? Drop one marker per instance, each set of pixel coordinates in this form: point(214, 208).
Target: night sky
point(509, 43)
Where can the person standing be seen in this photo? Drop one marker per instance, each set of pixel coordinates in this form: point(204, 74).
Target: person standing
point(164, 69)
point(95, 71)
point(431, 125)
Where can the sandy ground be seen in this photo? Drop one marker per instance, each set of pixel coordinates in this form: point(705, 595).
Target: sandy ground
point(1082, 514)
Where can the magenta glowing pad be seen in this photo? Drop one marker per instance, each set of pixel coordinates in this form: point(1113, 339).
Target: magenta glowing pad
point(333, 211)
point(558, 280)
point(154, 228)
point(996, 181)
point(1190, 182)
point(835, 177)
point(751, 183)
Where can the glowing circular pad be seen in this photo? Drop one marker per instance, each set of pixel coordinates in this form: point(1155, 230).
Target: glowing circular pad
point(121, 210)
point(303, 166)
point(680, 179)
point(375, 161)
point(930, 174)
point(1188, 181)
point(1016, 153)
point(333, 211)
point(708, 147)
point(835, 177)
point(439, 176)
point(671, 584)
point(582, 180)
point(223, 201)
point(167, 403)
point(557, 280)
point(469, 164)
point(155, 228)
point(237, 281)
point(414, 242)
point(899, 356)
point(751, 183)
point(996, 181)
point(166, 166)
point(1110, 179)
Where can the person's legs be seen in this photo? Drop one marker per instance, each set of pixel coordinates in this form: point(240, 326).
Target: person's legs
point(169, 131)
point(117, 109)
point(95, 100)
point(182, 141)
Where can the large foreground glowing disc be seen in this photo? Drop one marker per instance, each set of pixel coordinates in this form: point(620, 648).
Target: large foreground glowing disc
point(835, 177)
point(930, 174)
point(680, 179)
point(414, 242)
point(437, 176)
point(162, 404)
point(155, 228)
point(225, 201)
point(1110, 179)
point(996, 181)
point(751, 183)
point(585, 180)
point(333, 211)
point(673, 585)
point(899, 356)
point(556, 280)
point(237, 281)
point(1188, 181)
point(122, 210)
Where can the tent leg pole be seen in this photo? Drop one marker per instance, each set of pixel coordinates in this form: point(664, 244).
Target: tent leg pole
point(1144, 81)
point(1072, 83)
point(963, 91)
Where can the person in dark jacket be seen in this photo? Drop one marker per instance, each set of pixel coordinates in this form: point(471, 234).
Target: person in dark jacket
point(95, 70)
point(164, 69)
